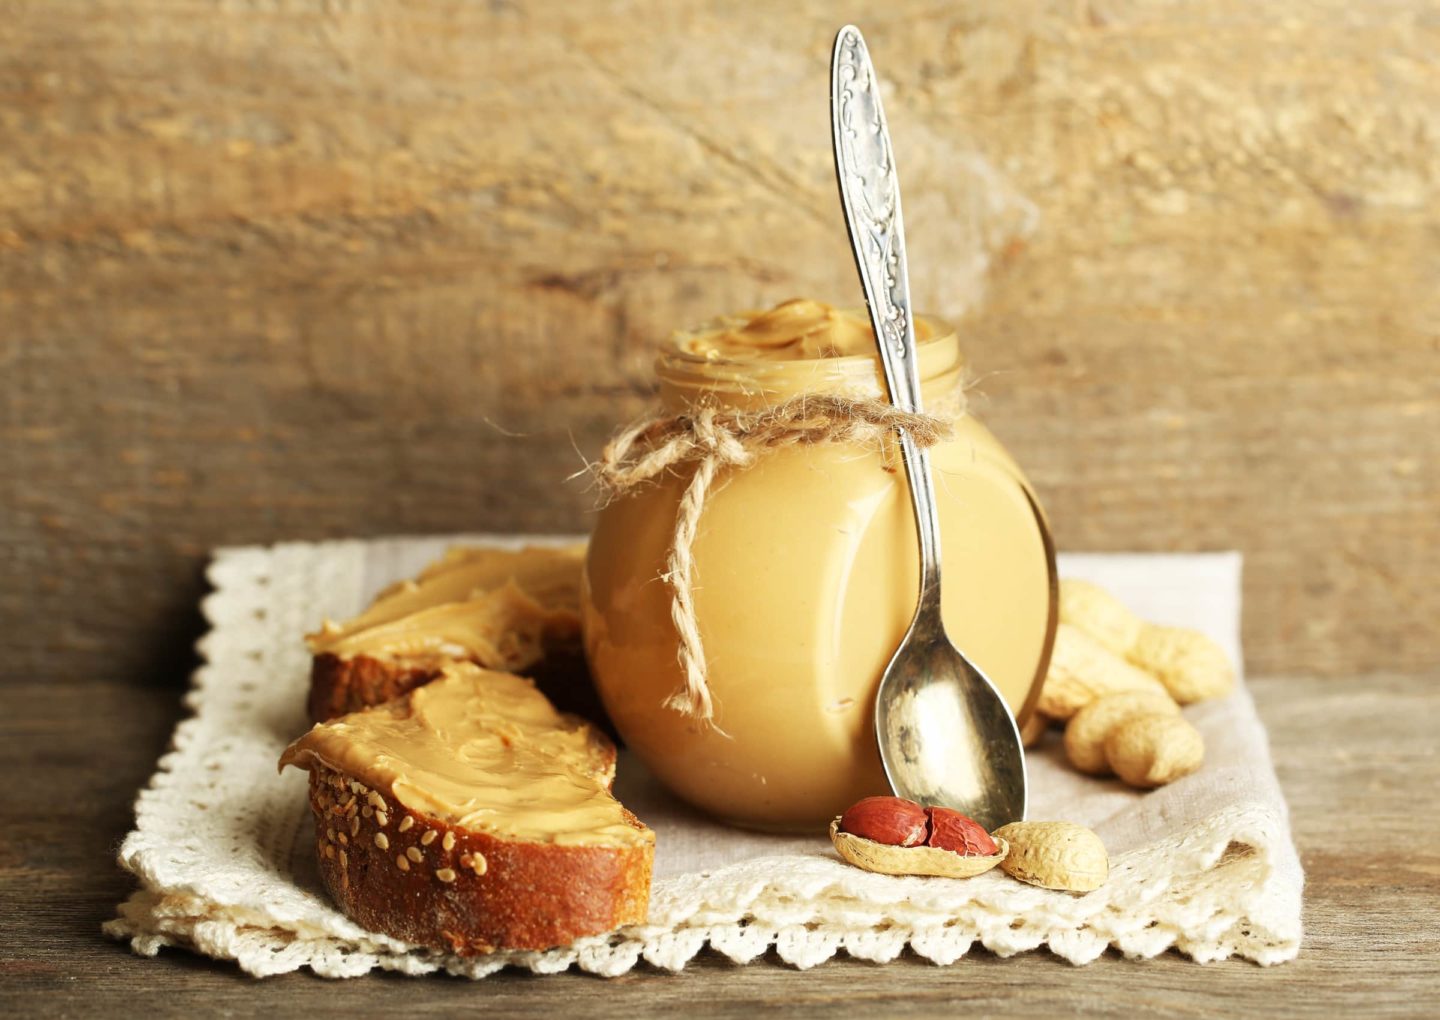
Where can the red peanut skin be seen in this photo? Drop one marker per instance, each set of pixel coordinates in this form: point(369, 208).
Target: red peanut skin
point(889, 820)
point(950, 830)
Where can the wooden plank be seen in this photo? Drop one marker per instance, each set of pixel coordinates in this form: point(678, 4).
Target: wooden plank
point(1354, 757)
point(312, 269)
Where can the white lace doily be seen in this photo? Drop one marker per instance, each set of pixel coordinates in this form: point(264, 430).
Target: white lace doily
point(224, 850)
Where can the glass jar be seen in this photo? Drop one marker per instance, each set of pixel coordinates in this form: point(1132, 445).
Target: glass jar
point(805, 580)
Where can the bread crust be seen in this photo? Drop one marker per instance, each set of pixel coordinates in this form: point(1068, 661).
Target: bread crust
point(462, 891)
point(341, 686)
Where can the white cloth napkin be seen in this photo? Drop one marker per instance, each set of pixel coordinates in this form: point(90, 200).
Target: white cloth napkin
point(224, 849)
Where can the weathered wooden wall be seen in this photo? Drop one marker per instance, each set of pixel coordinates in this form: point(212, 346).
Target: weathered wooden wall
point(299, 268)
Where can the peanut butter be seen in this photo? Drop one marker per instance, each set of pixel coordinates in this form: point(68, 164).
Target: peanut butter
point(805, 580)
point(490, 605)
point(485, 751)
point(796, 330)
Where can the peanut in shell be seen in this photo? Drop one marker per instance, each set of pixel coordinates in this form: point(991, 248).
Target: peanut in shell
point(1154, 749)
point(1083, 670)
point(1190, 665)
point(1088, 729)
point(1054, 855)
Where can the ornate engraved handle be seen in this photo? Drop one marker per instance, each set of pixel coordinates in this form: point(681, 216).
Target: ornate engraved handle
point(870, 193)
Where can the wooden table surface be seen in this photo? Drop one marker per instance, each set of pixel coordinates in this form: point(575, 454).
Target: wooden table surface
point(1357, 759)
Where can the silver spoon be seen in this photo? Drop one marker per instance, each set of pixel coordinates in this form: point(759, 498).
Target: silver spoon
point(946, 735)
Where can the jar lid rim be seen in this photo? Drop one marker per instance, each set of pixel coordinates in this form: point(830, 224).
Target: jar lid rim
point(938, 355)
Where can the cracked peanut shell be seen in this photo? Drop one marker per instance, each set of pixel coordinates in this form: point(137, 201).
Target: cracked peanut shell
point(911, 860)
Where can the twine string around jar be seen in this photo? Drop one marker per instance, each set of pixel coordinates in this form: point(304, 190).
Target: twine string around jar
point(713, 437)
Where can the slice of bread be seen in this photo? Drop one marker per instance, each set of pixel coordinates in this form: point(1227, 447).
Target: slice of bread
point(502, 609)
point(471, 816)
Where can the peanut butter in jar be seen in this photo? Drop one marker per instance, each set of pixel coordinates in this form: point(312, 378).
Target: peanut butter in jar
point(805, 574)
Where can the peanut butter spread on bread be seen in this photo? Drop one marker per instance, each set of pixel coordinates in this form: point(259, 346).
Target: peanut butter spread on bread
point(484, 751)
point(792, 331)
point(491, 605)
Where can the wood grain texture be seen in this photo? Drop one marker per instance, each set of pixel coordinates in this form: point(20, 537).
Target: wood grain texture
point(1354, 756)
point(296, 269)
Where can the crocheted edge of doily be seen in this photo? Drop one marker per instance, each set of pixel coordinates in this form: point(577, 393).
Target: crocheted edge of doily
point(151, 921)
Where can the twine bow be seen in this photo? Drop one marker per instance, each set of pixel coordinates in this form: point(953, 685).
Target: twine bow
point(712, 438)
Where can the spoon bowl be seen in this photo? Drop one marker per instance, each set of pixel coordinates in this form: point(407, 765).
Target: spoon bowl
point(946, 735)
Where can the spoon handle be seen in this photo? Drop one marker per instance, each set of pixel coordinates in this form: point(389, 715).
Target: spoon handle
point(870, 193)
